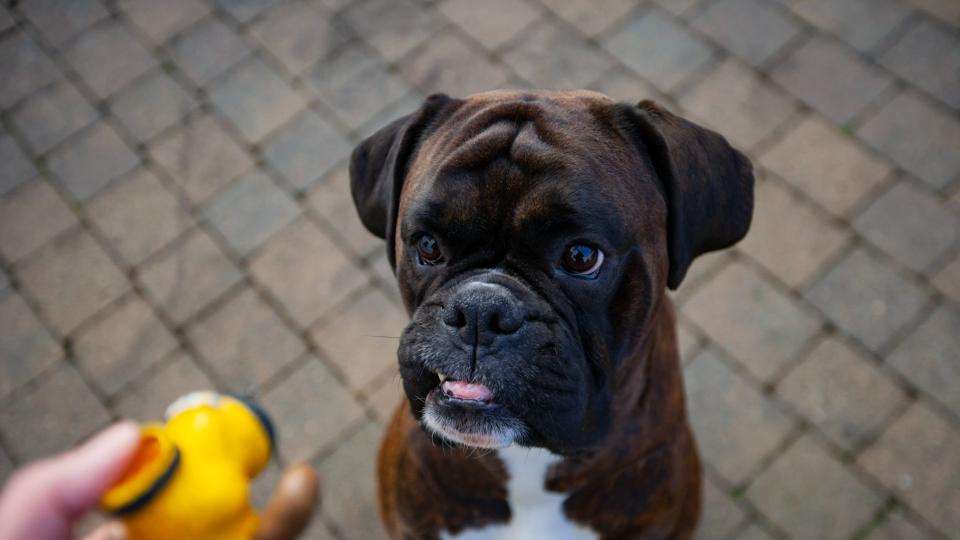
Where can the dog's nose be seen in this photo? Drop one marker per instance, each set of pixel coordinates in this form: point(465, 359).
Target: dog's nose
point(479, 312)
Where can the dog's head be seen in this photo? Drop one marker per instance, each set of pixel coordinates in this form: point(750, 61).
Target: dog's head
point(533, 234)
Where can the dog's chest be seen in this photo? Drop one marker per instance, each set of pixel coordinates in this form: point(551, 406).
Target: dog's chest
point(535, 512)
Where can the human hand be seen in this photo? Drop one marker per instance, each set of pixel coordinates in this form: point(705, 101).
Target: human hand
point(43, 500)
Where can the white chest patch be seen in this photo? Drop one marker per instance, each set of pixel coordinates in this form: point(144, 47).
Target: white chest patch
point(535, 512)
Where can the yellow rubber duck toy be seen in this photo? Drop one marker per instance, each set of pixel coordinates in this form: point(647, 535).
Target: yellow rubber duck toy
point(190, 477)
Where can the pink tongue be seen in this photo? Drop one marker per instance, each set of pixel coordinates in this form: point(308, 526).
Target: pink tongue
point(465, 390)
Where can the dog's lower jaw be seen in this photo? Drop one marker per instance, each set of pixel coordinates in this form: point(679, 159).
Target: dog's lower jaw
point(491, 437)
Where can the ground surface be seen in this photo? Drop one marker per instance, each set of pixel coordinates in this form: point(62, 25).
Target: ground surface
point(174, 214)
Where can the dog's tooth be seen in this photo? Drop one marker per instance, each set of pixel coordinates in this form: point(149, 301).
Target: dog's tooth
point(442, 376)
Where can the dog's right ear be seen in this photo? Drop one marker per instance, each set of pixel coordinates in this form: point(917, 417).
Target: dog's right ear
point(378, 167)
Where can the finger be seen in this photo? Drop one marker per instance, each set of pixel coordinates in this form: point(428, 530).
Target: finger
point(111, 531)
point(290, 508)
point(42, 500)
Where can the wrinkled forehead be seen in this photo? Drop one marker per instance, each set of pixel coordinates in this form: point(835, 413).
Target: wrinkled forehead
point(540, 160)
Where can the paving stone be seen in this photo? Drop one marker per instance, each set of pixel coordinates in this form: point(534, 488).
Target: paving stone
point(147, 398)
point(245, 10)
point(624, 86)
point(386, 397)
point(89, 161)
point(760, 326)
point(207, 49)
point(393, 27)
point(15, 167)
point(918, 136)
point(30, 217)
point(200, 158)
point(406, 105)
point(152, 105)
point(547, 57)
point(138, 217)
point(250, 211)
point(788, 237)
point(162, 20)
point(492, 23)
point(310, 409)
point(4, 281)
point(349, 472)
point(864, 296)
point(355, 85)
point(65, 296)
point(188, 277)
point(917, 459)
point(387, 279)
point(51, 416)
point(928, 358)
point(831, 79)
point(677, 7)
point(947, 280)
point(929, 57)
point(725, 413)
point(109, 57)
point(587, 17)
point(862, 24)
point(703, 267)
point(299, 35)
point(255, 99)
point(306, 150)
point(61, 20)
point(897, 527)
point(910, 224)
point(753, 30)
point(689, 341)
point(52, 115)
point(305, 271)
point(721, 516)
point(117, 348)
point(946, 10)
point(814, 150)
point(332, 200)
point(245, 342)
point(841, 392)
point(362, 340)
point(26, 347)
point(736, 103)
point(811, 495)
point(449, 64)
point(659, 50)
point(26, 68)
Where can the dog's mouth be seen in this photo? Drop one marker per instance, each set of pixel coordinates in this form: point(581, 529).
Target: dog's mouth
point(467, 413)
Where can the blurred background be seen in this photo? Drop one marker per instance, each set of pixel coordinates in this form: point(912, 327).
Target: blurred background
point(175, 214)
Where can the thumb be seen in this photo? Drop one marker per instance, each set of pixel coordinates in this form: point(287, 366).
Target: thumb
point(42, 500)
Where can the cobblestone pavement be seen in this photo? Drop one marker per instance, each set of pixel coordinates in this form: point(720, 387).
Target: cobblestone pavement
point(174, 214)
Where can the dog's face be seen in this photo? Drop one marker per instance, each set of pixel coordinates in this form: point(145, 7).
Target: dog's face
point(533, 235)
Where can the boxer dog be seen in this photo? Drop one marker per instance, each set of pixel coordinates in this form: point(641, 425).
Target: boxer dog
point(534, 235)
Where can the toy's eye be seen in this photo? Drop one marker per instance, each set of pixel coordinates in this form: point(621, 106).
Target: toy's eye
point(582, 260)
point(428, 250)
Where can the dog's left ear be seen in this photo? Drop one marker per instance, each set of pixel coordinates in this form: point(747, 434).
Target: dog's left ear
point(378, 167)
point(708, 184)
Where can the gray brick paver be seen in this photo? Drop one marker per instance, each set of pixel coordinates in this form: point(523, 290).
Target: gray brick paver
point(205, 158)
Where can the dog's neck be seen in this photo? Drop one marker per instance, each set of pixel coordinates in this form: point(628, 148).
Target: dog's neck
point(648, 410)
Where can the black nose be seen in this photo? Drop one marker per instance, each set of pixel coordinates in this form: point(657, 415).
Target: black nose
point(479, 312)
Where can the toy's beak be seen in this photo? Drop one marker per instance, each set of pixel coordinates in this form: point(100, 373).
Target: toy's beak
point(294, 500)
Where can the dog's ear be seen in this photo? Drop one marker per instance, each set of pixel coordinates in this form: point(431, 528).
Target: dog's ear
point(708, 184)
point(378, 167)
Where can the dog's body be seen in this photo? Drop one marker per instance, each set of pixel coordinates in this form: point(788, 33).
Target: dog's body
point(534, 236)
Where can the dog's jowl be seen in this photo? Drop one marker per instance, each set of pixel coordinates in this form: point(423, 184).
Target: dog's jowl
point(534, 236)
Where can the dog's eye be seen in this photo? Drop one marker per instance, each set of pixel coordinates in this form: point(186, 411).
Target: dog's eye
point(428, 250)
point(582, 260)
